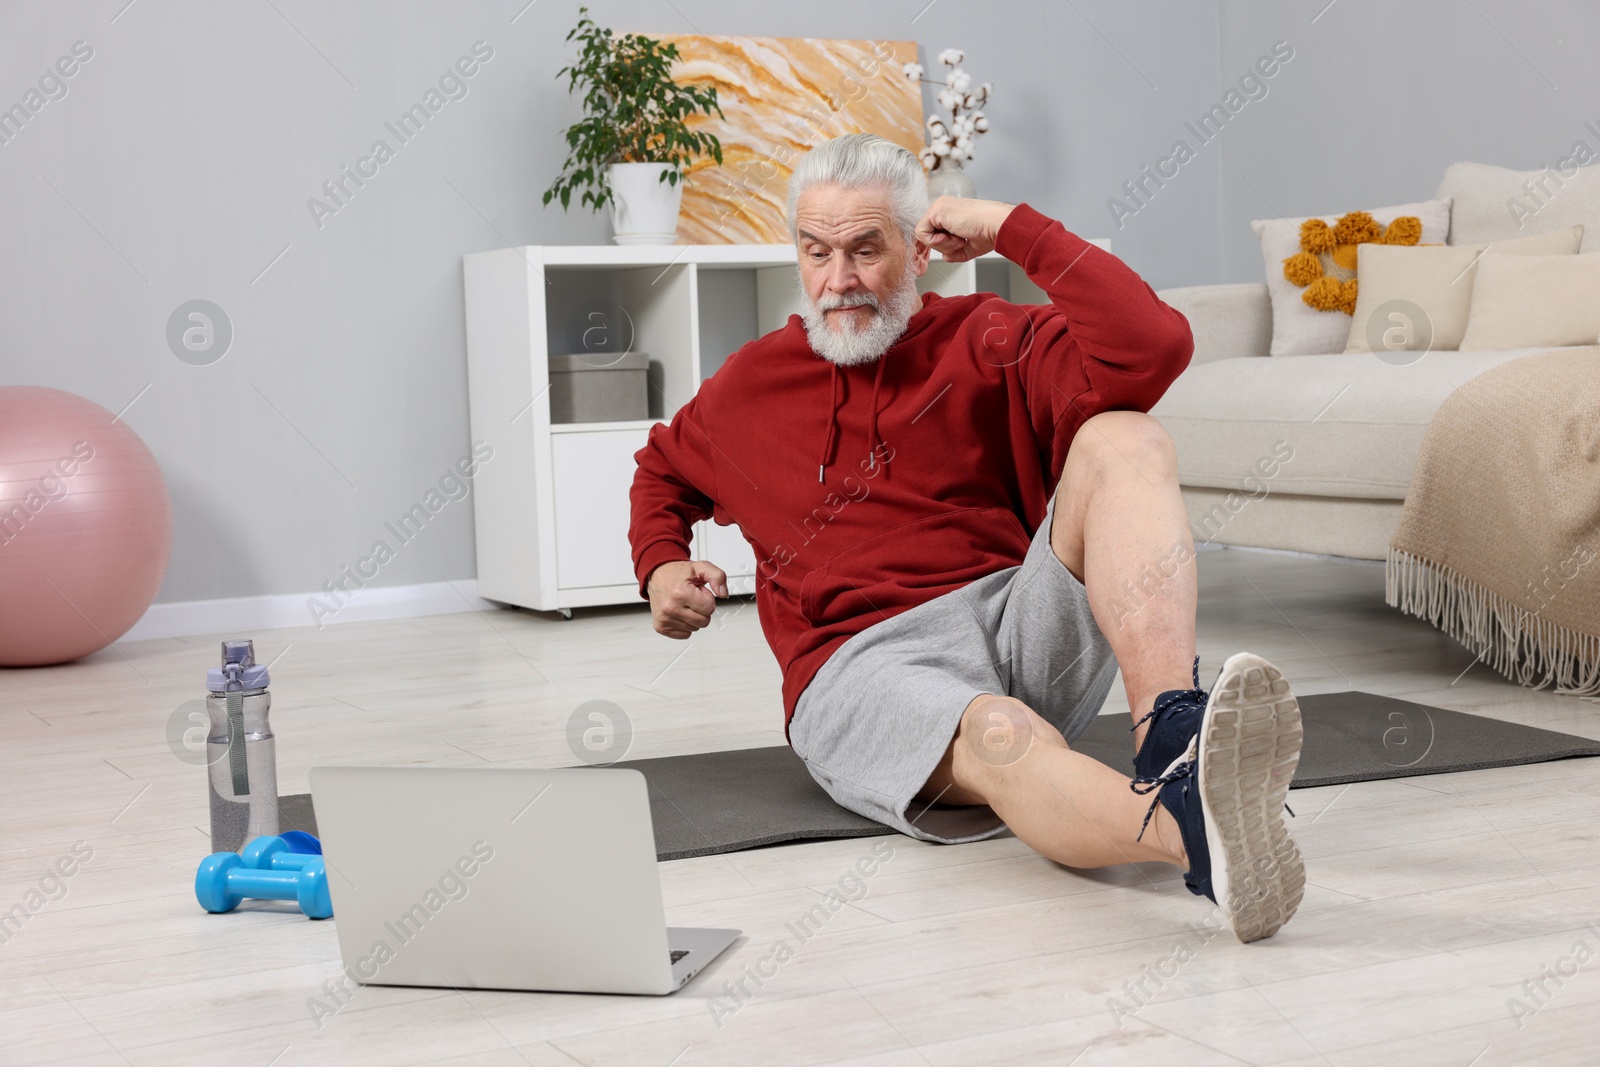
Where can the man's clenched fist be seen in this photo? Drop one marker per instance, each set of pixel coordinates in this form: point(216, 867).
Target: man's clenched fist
point(683, 595)
point(961, 229)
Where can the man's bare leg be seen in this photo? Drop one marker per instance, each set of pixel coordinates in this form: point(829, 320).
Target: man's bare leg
point(1120, 527)
point(1062, 804)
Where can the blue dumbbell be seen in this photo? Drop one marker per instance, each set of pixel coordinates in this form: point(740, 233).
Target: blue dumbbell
point(223, 881)
point(274, 854)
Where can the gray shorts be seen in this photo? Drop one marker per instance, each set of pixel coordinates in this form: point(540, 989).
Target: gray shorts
point(876, 720)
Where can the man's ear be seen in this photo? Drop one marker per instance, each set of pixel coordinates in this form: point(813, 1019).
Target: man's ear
point(920, 257)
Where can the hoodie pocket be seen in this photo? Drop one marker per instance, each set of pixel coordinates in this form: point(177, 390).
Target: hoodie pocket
point(911, 563)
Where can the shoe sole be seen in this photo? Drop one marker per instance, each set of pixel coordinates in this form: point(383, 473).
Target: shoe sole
point(1250, 744)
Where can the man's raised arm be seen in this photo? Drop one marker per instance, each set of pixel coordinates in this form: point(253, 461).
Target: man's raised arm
point(1105, 342)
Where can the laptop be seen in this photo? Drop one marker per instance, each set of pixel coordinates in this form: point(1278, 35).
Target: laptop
point(501, 878)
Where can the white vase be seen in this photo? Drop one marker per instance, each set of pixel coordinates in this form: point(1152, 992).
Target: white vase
point(950, 180)
point(644, 209)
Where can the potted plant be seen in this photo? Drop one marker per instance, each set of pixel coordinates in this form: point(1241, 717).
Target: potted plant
point(631, 147)
point(950, 147)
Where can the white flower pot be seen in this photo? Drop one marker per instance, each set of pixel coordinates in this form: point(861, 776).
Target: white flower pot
point(644, 209)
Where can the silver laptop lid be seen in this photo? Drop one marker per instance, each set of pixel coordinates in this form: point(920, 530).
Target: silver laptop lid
point(494, 877)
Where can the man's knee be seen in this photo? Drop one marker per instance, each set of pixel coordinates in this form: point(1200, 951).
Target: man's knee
point(996, 733)
point(1120, 444)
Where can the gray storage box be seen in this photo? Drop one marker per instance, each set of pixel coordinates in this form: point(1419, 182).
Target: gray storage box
point(599, 387)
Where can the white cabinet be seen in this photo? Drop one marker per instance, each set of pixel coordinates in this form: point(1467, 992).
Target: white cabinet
point(591, 516)
point(551, 504)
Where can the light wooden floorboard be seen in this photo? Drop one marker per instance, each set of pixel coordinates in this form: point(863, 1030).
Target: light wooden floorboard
point(1433, 901)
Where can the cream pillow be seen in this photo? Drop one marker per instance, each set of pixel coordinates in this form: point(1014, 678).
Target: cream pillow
point(1495, 203)
point(1438, 281)
point(1299, 330)
point(1527, 301)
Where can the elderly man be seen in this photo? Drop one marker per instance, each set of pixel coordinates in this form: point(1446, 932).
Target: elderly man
point(964, 522)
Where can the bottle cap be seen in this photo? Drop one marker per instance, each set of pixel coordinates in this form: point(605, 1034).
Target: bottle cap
point(249, 678)
point(238, 661)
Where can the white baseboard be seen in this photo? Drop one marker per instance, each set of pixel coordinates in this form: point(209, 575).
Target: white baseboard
point(246, 614)
point(1298, 554)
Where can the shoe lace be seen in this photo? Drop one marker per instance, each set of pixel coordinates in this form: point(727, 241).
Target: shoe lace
point(1182, 767)
point(1174, 698)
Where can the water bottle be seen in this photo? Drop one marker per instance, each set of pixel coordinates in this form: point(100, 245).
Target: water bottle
point(239, 750)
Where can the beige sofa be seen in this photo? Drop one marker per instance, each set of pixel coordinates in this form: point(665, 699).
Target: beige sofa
point(1315, 453)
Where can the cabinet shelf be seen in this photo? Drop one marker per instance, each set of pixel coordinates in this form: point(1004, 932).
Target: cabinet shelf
point(551, 505)
point(602, 256)
point(601, 427)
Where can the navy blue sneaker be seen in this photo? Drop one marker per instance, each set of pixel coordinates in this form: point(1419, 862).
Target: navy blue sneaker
point(1174, 720)
point(1226, 791)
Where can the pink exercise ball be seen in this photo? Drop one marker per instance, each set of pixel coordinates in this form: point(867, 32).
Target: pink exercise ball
point(85, 527)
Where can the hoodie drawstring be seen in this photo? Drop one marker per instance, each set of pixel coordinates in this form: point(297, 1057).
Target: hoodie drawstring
point(833, 423)
point(872, 425)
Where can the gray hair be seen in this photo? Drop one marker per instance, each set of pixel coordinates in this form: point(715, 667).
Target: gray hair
point(862, 159)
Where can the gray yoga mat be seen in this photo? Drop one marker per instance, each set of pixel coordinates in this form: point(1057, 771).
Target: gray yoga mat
point(295, 813)
point(713, 802)
point(1363, 737)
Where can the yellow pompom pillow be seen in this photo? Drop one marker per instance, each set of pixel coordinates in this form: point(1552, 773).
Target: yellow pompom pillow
point(1325, 266)
point(1311, 268)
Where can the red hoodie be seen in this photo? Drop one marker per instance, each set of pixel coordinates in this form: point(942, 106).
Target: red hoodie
point(936, 461)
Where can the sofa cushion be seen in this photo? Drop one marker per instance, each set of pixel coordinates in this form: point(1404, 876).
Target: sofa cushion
point(1299, 330)
point(1494, 203)
point(1436, 281)
point(1342, 425)
point(1535, 300)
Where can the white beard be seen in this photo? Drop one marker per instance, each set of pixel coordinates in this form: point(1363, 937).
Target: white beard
point(847, 345)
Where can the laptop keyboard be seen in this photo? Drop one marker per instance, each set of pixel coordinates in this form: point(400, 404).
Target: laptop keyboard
point(678, 954)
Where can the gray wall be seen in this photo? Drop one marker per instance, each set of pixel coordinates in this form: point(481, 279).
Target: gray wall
point(1383, 96)
point(179, 162)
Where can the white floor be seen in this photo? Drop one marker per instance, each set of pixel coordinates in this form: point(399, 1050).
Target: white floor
point(1433, 900)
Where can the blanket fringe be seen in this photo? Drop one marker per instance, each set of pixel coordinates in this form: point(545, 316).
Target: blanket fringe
point(1529, 650)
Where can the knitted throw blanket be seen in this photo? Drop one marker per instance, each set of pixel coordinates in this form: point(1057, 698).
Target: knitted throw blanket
point(1499, 540)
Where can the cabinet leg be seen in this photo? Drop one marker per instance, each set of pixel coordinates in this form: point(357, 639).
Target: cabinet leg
point(566, 613)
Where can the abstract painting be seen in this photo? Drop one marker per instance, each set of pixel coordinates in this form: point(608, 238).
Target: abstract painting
point(781, 97)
